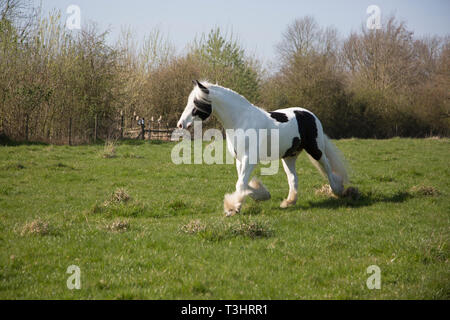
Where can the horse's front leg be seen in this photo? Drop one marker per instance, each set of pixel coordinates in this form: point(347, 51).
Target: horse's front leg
point(245, 169)
point(289, 168)
point(233, 202)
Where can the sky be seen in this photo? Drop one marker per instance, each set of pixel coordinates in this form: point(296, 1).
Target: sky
point(257, 24)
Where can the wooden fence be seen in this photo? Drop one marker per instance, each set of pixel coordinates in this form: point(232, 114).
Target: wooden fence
point(151, 130)
point(69, 131)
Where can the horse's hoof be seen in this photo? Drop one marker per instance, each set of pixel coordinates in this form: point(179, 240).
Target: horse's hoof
point(286, 204)
point(258, 190)
point(231, 213)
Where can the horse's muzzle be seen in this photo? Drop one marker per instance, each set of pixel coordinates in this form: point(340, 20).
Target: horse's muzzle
point(180, 125)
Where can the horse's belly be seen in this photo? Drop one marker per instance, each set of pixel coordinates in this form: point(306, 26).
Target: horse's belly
point(265, 145)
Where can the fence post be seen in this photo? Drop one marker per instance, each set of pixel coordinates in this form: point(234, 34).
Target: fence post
point(95, 129)
point(26, 127)
point(70, 131)
point(159, 130)
point(143, 128)
point(132, 118)
point(121, 124)
point(150, 129)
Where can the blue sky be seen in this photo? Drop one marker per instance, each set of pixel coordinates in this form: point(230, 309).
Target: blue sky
point(258, 24)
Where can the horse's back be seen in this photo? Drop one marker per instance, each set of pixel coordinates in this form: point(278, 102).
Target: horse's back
point(290, 112)
point(303, 130)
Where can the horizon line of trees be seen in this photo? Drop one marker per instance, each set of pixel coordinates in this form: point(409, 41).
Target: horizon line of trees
point(56, 84)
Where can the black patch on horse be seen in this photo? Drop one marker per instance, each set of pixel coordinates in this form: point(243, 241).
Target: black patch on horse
point(279, 116)
point(202, 87)
point(202, 109)
point(295, 149)
point(308, 133)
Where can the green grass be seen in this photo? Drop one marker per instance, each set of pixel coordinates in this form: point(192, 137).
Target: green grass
point(166, 236)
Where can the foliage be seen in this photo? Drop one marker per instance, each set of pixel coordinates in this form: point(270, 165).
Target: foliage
point(223, 61)
point(375, 83)
point(59, 86)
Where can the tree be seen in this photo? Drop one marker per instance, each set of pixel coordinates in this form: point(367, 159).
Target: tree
point(309, 75)
point(224, 61)
point(384, 59)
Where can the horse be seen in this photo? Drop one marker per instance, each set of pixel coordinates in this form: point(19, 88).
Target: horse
point(298, 129)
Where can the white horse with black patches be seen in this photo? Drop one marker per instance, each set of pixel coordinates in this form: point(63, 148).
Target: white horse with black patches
point(298, 129)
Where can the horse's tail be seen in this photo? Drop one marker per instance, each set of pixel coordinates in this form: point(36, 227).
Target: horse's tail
point(335, 158)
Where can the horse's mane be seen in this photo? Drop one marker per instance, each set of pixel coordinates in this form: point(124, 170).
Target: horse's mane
point(224, 90)
point(221, 90)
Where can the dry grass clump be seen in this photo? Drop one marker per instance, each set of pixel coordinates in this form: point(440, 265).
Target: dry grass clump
point(194, 226)
point(118, 196)
point(120, 203)
point(425, 190)
point(251, 229)
point(351, 193)
point(36, 227)
point(109, 150)
point(118, 226)
point(325, 190)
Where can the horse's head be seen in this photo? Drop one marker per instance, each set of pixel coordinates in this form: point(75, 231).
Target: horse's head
point(198, 106)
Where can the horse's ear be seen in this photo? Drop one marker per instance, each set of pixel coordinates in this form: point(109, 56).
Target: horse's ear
point(202, 87)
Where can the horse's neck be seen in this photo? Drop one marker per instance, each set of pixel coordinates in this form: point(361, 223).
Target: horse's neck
point(231, 109)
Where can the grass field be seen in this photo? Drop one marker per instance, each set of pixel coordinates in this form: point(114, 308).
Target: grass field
point(140, 227)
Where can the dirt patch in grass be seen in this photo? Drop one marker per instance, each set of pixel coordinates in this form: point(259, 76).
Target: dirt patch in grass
point(36, 227)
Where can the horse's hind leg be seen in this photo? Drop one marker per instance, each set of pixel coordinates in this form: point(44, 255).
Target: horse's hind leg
point(336, 182)
point(289, 168)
